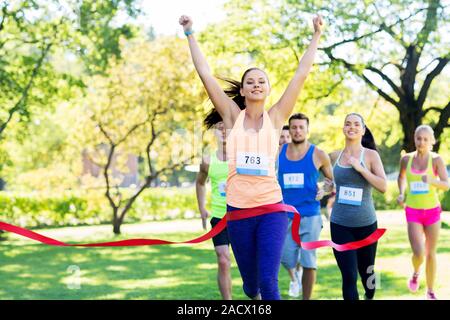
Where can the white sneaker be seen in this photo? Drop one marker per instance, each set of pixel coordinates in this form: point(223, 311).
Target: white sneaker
point(299, 275)
point(294, 290)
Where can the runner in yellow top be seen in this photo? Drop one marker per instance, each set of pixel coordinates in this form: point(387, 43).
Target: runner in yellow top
point(422, 172)
point(215, 167)
point(252, 146)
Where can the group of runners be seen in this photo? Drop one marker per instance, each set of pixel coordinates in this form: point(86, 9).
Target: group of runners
point(261, 163)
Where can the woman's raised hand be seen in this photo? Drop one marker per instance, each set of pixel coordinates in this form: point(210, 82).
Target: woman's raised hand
point(318, 23)
point(186, 22)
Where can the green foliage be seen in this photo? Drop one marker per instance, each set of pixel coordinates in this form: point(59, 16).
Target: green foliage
point(151, 92)
point(36, 33)
point(100, 32)
point(46, 48)
point(91, 207)
point(445, 201)
point(388, 200)
point(361, 39)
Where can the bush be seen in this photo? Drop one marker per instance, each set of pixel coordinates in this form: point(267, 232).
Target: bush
point(91, 207)
point(388, 200)
point(445, 201)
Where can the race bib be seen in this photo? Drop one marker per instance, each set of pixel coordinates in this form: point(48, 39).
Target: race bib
point(352, 196)
point(254, 164)
point(221, 188)
point(419, 187)
point(294, 180)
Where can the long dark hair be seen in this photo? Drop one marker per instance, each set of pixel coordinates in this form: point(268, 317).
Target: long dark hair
point(368, 141)
point(234, 92)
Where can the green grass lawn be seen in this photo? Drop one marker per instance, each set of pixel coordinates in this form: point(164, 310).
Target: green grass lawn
point(29, 270)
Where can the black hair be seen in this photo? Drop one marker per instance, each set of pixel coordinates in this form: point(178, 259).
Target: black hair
point(212, 118)
point(299, 116)
point(234, 92)
point(368, 141)
point(285, 127)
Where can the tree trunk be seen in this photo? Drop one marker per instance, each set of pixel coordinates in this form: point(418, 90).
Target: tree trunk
point(410, 120)
point(116, 222)
point(437, 146)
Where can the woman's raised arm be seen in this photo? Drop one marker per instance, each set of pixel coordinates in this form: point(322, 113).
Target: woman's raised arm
point(226, 107)
point(281, 110)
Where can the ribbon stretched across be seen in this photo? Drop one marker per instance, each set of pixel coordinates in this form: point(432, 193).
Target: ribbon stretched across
point(233, 215)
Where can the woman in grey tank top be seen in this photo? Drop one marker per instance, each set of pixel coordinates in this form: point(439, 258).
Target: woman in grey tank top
point(357, 168)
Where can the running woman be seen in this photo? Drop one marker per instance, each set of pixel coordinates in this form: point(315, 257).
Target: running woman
point(357, 168)
point(215, 167)
point(300, 163)
point(252, 146)
point(421, 173)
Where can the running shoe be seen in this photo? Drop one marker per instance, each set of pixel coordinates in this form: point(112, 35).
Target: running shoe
point(431, 295)
point(299, 275)
point(294, 290)
point(413, 283)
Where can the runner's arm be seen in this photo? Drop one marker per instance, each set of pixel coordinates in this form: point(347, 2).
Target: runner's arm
point(401, 180)
point(281, 110)
point(327, 171)
point(226, 107)
point(441, 183)
point(376, 175)
point(200, 190)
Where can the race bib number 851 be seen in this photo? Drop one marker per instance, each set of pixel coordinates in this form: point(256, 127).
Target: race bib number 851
point(352, 196)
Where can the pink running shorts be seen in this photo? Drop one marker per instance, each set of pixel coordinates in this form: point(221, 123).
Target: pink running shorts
point(425, 217)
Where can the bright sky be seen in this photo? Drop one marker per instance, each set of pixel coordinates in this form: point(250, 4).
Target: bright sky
point(163, 15)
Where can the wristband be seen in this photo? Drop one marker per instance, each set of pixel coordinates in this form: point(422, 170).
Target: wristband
point(189, 32)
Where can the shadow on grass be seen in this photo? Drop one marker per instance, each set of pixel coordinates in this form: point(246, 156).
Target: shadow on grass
point(328, 285)
point(168, 272)
point(172, 272)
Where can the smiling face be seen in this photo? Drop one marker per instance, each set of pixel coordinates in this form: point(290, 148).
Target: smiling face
point(255, 85)
point(424, 139)
point(354, 128)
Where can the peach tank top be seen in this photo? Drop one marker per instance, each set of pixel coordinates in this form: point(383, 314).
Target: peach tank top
point(251, 156)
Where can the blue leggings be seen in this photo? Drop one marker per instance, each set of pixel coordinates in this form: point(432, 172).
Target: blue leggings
point(257, 244)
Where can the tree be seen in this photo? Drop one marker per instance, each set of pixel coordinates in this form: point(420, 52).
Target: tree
point(402, 35)
point(33, 32)
point(145, 105)
point(396, 47)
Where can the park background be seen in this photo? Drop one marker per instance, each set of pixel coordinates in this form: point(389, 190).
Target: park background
point(101, 130)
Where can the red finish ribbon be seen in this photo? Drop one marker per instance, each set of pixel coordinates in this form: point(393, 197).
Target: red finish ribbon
point(121, 243)
point(231, 216)
point(280, 207)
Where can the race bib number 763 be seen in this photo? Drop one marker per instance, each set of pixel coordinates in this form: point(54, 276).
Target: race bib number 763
point(251, 163)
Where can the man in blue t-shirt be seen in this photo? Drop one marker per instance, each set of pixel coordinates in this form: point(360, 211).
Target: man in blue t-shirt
point(299, 166)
